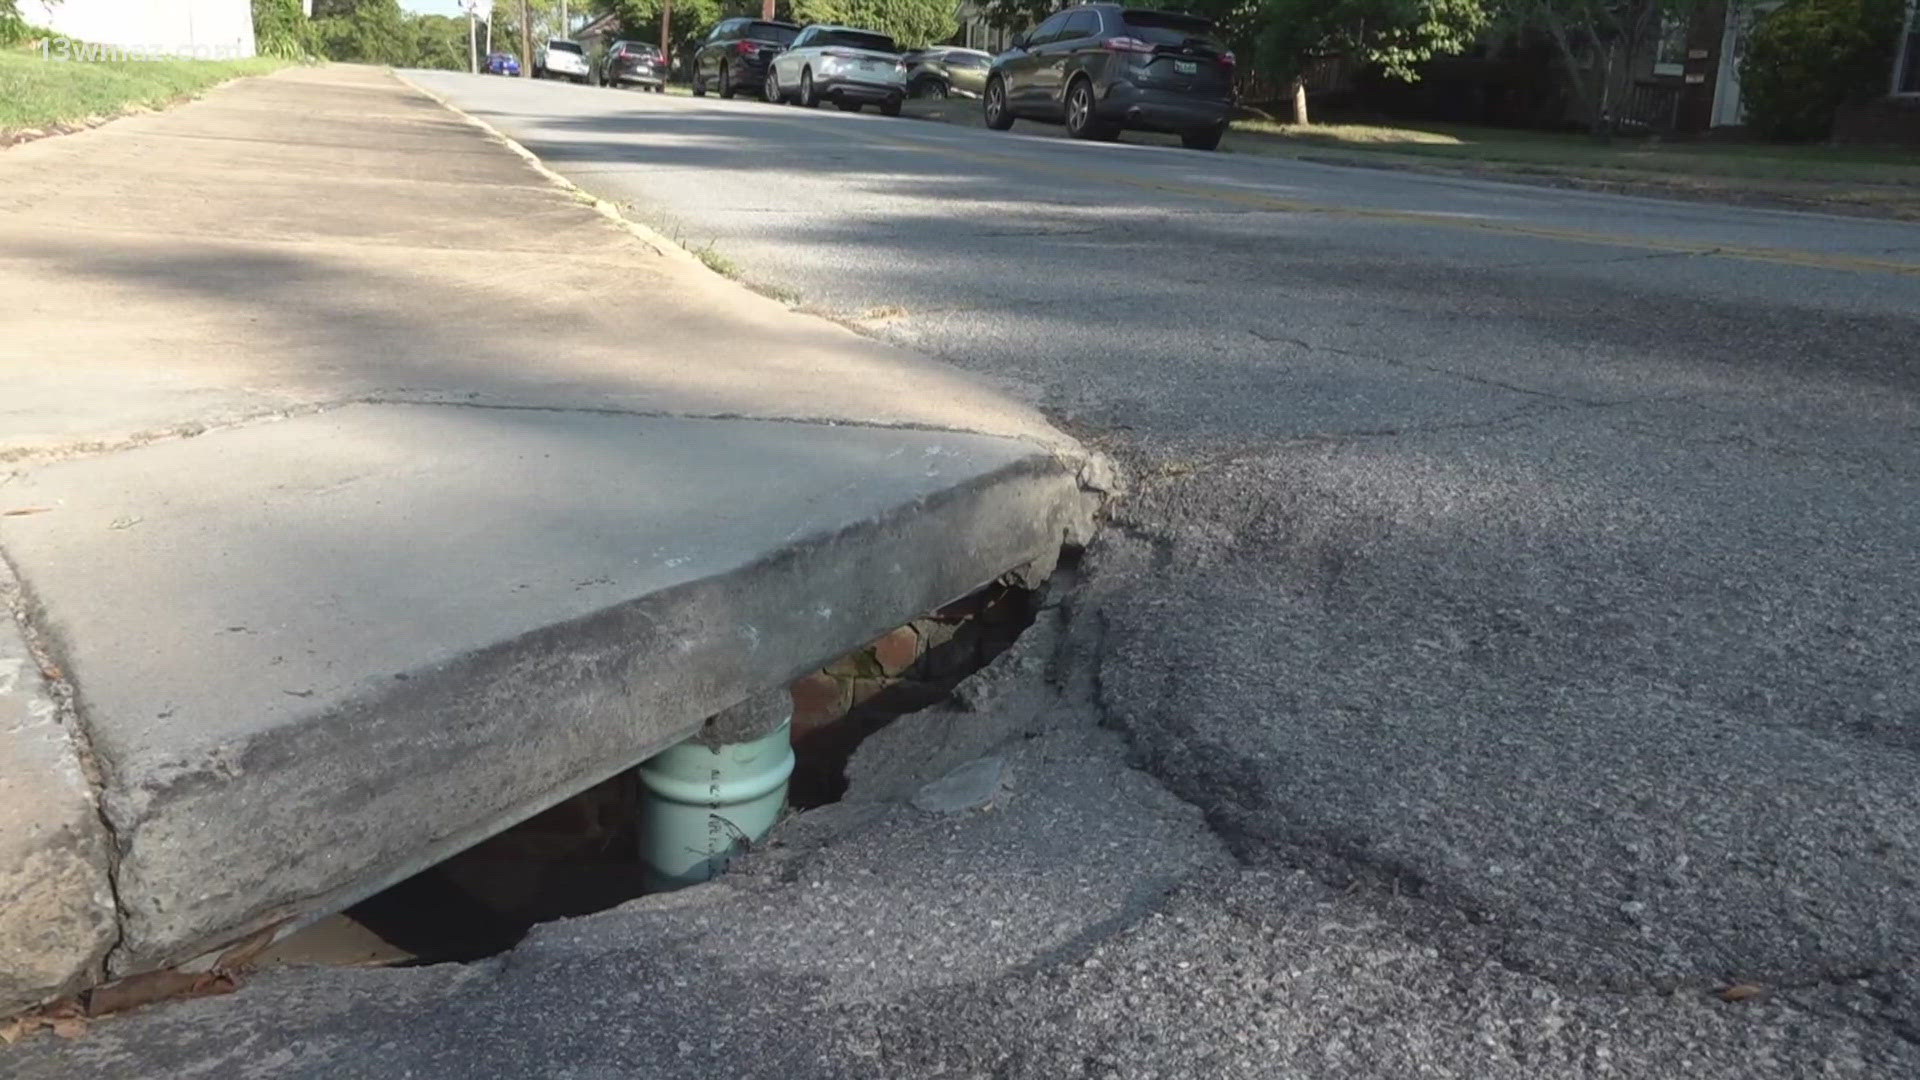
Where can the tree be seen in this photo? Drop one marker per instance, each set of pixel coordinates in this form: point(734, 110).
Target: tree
point(13, 26)
point(1811, 57)
point(912, 23)
point(1394, 35)
point(363, 31)
point(280, 28)
point(438, 41)
point(1599, 43)
point(640, 20)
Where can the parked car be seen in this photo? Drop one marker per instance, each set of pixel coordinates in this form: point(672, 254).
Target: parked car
point(734, 57)
point(501, 63)
point(942, 72)
point(1099, 68)
point(562, 59)
point(840, 64)
point(634, 63)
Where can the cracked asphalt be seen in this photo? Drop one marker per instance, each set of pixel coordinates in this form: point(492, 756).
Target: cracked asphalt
point(1507, 645)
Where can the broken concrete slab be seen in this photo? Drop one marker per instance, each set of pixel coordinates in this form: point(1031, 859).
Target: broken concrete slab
point(317, 655)
point(54, 892)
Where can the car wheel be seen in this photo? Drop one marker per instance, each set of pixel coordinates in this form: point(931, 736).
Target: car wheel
point(771, 91)
point(994, 105)
point(929, 88)
point(807, 100)
point(699, 88)
point(726, 81)
point(1204, 139)
point(890, 107)
point(1081, 121)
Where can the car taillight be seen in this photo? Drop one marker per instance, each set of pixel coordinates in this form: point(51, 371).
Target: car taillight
point(1226, 59)
point(1127, 44)
point(748, 48)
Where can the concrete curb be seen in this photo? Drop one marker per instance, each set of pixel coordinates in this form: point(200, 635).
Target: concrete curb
point(57, 912)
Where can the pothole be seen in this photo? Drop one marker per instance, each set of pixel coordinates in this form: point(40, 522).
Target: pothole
point(580, 856)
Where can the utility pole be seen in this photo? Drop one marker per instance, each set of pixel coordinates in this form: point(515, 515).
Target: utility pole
point(526, 39)
point(766, 10)
point(566, 29)
point(473, 54)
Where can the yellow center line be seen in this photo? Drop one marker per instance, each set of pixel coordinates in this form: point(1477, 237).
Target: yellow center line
point(1259, 201)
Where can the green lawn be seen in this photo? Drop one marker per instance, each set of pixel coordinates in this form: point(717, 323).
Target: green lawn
point(1882, 183)
point(36, 92)
point(1530, 148)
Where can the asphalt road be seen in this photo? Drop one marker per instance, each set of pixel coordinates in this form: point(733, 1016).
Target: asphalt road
point(1551, 556)
point(1508, 643)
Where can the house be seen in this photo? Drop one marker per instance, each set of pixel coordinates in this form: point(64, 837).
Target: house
point(1894, 119)
point(1906, 71)
point(190, 29)
point(599, 34)
point(977, 33)
point(1709, 91)
point(1708, 95)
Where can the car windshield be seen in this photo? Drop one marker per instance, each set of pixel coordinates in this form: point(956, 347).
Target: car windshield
point(564, 46)
point(856, 39)
point(1167, 28)
point(774, 32)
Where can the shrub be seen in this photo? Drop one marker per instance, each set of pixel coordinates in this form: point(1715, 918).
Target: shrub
point(13, 29)
point(280, 28)
point(1812, 56)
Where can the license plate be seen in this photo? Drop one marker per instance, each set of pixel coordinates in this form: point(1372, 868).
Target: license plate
point(1185, 67)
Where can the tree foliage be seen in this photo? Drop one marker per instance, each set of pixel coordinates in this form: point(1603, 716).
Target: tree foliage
point(912, 23)
point(640, 20)
point(1600, 44)
point(361, 31)
point(1810, 57)
point(281, 28)
point(1394, 35)
point(13, 27)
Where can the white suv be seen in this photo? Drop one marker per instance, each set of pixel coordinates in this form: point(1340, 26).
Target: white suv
point(561, 59)
point(848, 67)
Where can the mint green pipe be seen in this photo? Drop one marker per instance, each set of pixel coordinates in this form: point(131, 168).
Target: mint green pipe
point(702, 805)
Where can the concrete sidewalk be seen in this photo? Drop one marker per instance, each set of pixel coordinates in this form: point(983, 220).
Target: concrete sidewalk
point(367, 493)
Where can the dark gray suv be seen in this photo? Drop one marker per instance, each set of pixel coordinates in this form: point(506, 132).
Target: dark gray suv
point(1099, 68)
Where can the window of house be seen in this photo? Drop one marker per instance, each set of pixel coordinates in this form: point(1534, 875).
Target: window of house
point(1670, 56)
